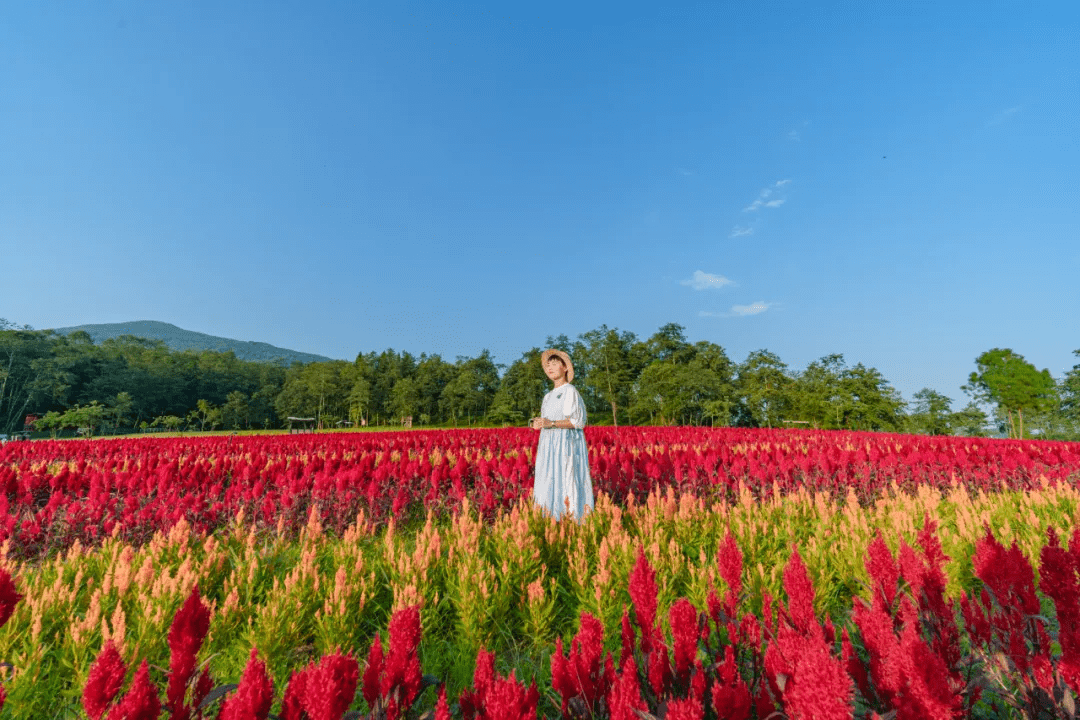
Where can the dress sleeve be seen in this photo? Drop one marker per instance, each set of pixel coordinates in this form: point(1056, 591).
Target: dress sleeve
point(574, 409)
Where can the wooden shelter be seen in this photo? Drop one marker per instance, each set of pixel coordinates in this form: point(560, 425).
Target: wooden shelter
point(299, 425)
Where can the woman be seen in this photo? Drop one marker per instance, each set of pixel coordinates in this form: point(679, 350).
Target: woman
point(562, 484)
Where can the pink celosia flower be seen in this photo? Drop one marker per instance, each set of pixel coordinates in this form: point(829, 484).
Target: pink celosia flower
point(254, 695)
point(104, 680)
point(141, 701)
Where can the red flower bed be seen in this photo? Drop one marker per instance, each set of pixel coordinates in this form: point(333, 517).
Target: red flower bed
point(56, 491)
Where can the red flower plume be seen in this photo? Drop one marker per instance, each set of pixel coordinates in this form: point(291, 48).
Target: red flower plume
point(254, 695)
point(104, 680)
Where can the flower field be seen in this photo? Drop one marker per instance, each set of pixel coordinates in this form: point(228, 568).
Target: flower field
point(724, 573)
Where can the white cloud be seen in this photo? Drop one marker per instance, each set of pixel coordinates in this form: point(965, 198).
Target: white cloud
point(752, 309)
point(741, 231)
point(794, 135)
point(765, 193)
point(706, 281)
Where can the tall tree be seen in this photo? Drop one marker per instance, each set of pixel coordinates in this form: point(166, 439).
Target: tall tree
point(1070, 392)
point(762, 388)
point(432, 375)
point(1014, 385)
point(871, 403)
point(608, 355)
point(668, 344)
point(521, 390)
point(471, 392)
point(931, 413)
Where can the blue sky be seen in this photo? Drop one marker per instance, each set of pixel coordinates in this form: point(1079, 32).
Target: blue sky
point(894, 181)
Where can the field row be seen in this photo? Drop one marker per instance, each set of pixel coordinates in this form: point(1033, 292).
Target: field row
point(514, 585)
point(54, 493)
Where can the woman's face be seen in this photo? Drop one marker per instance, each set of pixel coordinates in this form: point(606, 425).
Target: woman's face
point(554, 368)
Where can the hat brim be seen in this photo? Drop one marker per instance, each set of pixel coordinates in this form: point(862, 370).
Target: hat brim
point(562, 356)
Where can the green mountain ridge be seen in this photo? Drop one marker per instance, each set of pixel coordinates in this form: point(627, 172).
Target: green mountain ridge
point(176, 338)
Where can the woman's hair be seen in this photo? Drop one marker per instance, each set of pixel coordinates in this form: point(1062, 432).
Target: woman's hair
point(561, 361)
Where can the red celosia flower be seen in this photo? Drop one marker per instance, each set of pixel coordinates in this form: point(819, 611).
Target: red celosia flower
point(373, 671)
point(800, 592)
point(9, 596)
point(926, 690)
point(583, 674)
point(730, 696)
point(659, 664)
point(729, 562)
point(141, 701)
point(497, 698)
point(627, 650)
point(883, 570)
point(104, 680)
point(331, 686)
point(1011, 580)
point(254, 695)
point(402, 676)
point(685, 709)
point(1058, 579)
point(471, 702)
point(813, 683)
point(625, 695)
point(684, 632)
point(186, 636)
point(292, 704)
point(442, 707)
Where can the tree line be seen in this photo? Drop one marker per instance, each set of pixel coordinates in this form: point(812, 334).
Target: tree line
point(130, 382)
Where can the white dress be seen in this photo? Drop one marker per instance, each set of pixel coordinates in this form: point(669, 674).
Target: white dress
point(562, 459)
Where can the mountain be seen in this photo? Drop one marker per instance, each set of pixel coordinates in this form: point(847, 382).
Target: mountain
point(179, 339)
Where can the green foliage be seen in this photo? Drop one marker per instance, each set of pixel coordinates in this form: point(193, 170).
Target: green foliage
point(762, 390)
point(932, 413)
point(1013, 384)
point(661, 379)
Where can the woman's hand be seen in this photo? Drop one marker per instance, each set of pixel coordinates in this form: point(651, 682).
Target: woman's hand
point(537, 423)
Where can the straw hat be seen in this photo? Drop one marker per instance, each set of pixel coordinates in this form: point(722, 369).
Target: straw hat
point(562, 356)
